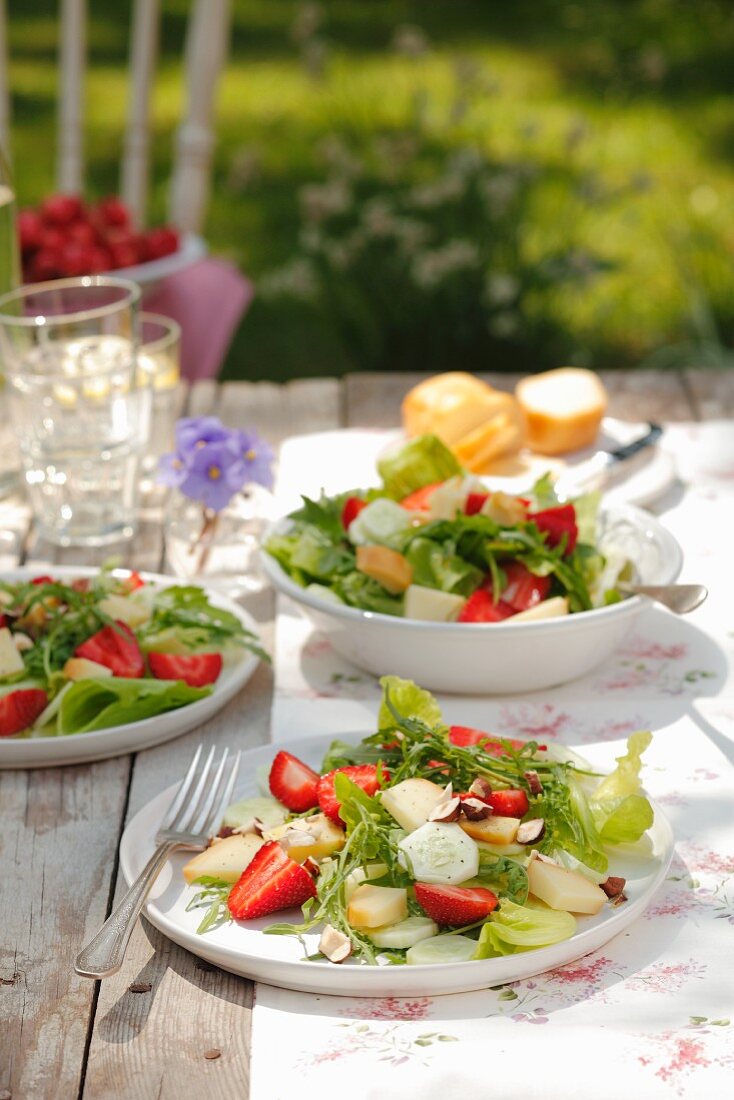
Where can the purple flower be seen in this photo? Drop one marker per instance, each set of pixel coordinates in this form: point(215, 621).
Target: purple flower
point(212, 463)
point(194, 431)
point(213, 475)
point(257, 458)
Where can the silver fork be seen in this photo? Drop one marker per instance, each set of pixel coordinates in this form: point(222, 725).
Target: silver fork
point(190, 820)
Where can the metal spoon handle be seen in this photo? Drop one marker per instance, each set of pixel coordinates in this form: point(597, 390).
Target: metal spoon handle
point(680, 598)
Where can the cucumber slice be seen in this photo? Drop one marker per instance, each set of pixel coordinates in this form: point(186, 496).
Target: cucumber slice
point(438, 852)
point(406, 933)
point(442, 949)
point(268, 810)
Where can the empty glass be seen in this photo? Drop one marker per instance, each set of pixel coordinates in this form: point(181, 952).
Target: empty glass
point(79, 406)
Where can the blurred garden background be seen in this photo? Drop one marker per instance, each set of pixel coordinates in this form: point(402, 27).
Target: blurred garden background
point(440, 184)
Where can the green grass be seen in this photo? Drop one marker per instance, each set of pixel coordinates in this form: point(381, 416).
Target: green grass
point(642, 84)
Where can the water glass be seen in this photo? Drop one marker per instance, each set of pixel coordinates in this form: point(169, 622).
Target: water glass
point(159, 356)
point(78, 404)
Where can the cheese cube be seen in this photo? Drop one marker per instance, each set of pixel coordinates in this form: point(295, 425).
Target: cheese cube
point(560, 888)
point(411, 801)
point(10, 660)
point(126, 609)
point(430, 605)
point(80, 668)
point(316, 836)
point(553, 608)
point(492, 830)
point(373, 906)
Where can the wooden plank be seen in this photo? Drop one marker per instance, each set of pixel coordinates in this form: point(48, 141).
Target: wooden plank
point(58, 836)
point(147, 1045)
point(711, 393)
point(373, 400)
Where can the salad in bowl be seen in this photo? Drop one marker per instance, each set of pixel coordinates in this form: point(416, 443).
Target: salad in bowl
point(85, 651)
point(426, 843)
point(434, 575)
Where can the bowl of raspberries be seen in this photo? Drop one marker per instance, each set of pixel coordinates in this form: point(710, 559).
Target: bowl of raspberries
point(65, 237)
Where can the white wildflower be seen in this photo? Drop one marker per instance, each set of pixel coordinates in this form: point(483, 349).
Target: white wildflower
point(446, 189)
point(498, 191)
point(296, 279)
point(320, 201)
point(410, 40)
point(429, 269)
point(338, 157)
point(466, 161)
point(378, 217)
point(501, 288)
point(504, 324)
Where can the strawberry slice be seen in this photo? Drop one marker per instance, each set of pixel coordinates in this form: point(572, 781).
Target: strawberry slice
point(134, 581)
point(510, 803)
point(455, 904)
point(474, 503)
point(364, 775)
point(195, 669)
point(293, 783)
point(19, 709)
point(45, 579)
point(420, 499)
point(352, 507)
point(481, 608)
point(524, 590)
point(271, 881)
point(115, 647)
point(465, 737)
point(557, 522)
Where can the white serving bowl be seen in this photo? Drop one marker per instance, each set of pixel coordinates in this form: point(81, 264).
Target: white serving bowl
point(495, 658)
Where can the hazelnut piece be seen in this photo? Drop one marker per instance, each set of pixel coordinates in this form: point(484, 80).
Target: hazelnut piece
point(613, 886)
point(480, 788)
point(533, 781)
point(334, 944)
point(474, 809)
point(449, 810)
point(530, 832)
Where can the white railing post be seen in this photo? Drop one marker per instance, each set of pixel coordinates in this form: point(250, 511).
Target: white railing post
point(72, 57)
point(4, 91)
point(135, 161)
point(206, 46)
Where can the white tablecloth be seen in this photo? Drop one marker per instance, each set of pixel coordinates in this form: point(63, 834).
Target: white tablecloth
point(648, 1014)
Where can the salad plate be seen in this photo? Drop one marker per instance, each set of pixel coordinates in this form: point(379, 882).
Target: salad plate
point(99, 744)
point(245, 949)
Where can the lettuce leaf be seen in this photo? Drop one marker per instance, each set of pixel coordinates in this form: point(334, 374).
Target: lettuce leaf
point(513, 928)
point(621, 812)
point(587, 511)
point(99, 704)
point(409, 700)
point(437, 566)
point(421, 462)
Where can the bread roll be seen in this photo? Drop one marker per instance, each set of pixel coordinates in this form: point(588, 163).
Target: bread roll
point(476, 421)
point(563, 409)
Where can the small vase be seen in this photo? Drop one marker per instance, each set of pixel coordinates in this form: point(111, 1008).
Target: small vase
point(219, 549)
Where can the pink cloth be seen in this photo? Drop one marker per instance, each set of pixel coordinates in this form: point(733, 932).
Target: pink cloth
point(208, 299)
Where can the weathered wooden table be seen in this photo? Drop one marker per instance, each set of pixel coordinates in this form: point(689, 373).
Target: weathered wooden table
point(147, 1031)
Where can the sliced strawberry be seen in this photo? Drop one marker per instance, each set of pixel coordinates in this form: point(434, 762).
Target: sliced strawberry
point(195, 669)
point(271, 881)
point(45, 579)
point(511, 803)
point(524, 590)
point(455, 904)
point(474, 503)
point(19, 709)
point(420, 499)
point(557, 522)
point(364, 775)
point(352, 507)
point(481, 608)
point(134, 581)
point(465, 737)
point(115, 647)
point(3, 621)
point(293, 783)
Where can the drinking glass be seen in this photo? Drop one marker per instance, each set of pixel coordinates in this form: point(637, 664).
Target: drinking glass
point(159, 357)
point(79, 406)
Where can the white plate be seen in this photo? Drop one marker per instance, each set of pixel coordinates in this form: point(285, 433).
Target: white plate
point(639, 481)
point(278, 960)
point(80, 748)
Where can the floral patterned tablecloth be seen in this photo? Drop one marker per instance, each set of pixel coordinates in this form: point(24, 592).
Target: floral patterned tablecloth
point(647, 1015)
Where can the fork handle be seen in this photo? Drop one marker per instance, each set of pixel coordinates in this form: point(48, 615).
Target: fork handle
point(103, 955)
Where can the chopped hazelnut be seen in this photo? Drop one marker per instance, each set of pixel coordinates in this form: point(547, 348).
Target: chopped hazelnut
point(448, 810)
point(334, 944)
point(480, 788)
point(533, 781)
point(613, 886)
point(530, 832)
point(474, 809)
